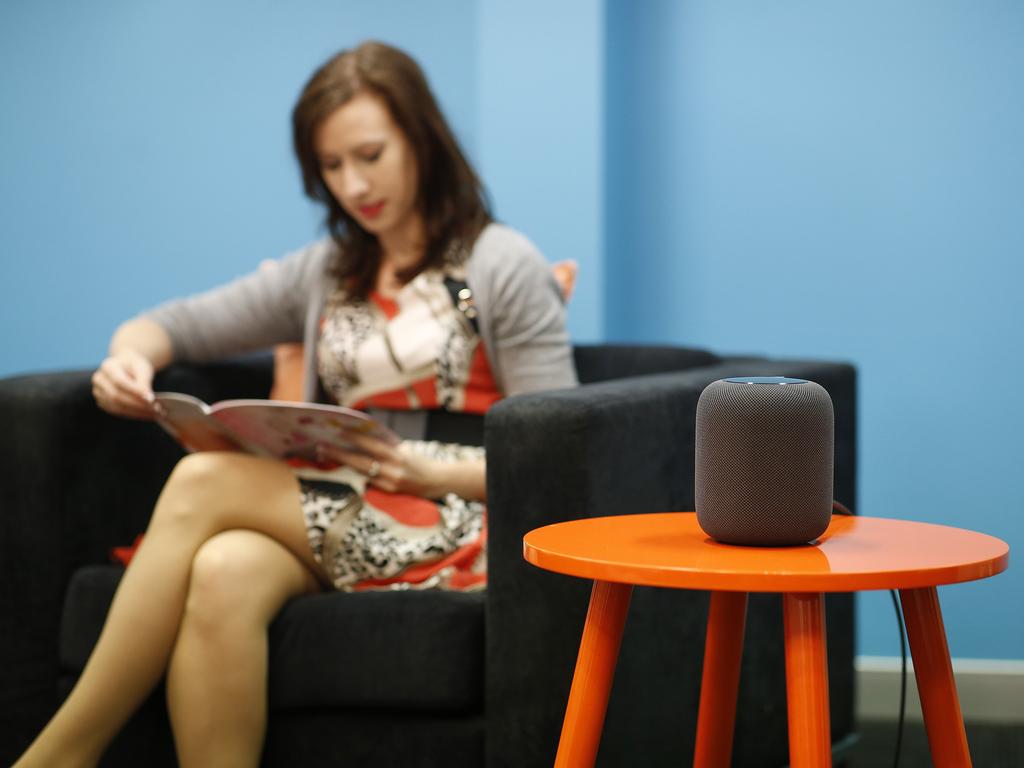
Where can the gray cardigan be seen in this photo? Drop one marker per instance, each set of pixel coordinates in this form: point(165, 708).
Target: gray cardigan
point(521, 312)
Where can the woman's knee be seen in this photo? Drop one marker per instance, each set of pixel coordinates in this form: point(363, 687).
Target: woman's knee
point(237, 578)
point(199, 484)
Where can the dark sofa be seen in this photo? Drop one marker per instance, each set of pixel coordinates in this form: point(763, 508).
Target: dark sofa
point(417, 679)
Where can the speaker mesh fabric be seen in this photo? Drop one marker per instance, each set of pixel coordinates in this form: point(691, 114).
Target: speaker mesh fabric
point(763, 470)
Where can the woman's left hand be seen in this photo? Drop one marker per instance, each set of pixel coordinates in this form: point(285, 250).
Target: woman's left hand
point(390, 467)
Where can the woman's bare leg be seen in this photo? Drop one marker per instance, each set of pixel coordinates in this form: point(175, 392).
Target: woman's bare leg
point(217, 678)
point(206, 494)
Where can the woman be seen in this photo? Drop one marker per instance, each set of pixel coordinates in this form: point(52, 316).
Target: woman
point(418, 308)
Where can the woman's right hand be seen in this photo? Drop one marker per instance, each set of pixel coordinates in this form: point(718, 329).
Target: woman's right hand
point(123, 385)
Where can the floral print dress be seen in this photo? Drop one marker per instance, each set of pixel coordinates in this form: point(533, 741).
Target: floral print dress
point(420, 350)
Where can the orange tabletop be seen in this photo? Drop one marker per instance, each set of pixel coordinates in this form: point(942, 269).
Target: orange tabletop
point(855, 553)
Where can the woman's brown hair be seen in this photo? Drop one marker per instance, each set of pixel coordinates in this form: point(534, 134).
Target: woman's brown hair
point(450, 197)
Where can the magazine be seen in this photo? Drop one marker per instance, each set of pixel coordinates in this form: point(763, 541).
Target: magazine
point(270, 428)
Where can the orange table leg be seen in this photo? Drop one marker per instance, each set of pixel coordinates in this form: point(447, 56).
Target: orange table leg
point(723, 651)
point(807, 680)
point(592, 680)
point(935, 684)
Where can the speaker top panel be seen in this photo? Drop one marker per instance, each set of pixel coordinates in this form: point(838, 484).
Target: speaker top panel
point(774, 380)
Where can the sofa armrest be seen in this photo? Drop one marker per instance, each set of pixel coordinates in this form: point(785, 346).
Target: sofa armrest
point(616, 447)
point(623, 446)
point(75, 482)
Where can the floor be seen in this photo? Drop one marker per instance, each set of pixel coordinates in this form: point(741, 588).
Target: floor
point(992, 746)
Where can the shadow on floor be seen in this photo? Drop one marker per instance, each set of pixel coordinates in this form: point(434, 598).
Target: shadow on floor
point(992, 746)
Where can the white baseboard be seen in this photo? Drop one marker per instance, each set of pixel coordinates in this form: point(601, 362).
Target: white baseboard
point(991, 690)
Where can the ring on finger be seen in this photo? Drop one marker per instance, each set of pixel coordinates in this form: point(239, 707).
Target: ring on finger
point(374, 469)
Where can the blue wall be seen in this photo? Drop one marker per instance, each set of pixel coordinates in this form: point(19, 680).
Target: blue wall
point(541, 69)
point(146, 148)
point(810, 179)
point(842, 180)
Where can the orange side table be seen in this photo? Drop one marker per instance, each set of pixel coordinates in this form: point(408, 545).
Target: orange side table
point(855, 553)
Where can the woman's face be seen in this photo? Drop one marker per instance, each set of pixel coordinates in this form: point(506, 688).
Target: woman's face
point(368, 165)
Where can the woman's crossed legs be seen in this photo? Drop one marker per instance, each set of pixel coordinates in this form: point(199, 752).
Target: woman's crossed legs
point(226, 547)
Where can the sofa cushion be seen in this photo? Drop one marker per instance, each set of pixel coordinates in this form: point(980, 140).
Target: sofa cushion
point(426, 647)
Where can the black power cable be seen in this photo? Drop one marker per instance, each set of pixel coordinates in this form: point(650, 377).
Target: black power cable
point(841, 510)
point(903, 676)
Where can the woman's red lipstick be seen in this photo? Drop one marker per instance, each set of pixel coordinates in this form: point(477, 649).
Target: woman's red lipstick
point(371, 211)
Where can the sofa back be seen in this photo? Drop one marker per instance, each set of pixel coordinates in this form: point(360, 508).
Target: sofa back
point(602, 362)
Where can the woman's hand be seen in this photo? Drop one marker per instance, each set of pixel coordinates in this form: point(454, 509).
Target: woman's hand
point(123, 385)
point(396, 469)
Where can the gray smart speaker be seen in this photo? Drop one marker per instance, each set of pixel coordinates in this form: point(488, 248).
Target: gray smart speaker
point(764, 452)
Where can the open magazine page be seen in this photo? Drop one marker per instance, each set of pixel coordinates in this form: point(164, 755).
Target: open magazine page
point(293, 430)
point(187, 420)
